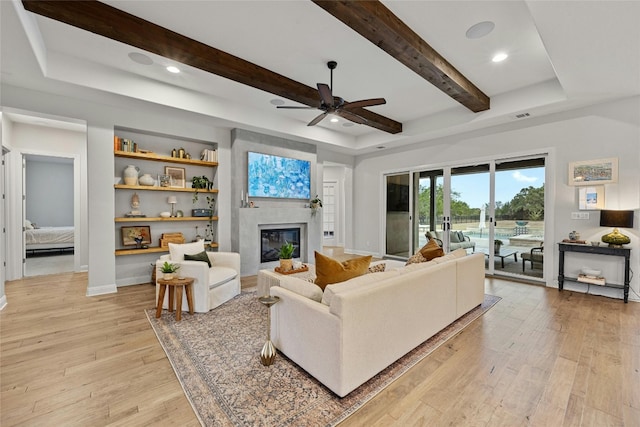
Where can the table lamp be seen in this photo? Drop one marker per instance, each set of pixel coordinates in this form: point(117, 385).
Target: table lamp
point(623, 219)
point(172, 201)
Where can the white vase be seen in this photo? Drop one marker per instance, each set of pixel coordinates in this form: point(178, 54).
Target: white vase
point(146, 179)
point(167, 276)
point(130, 175)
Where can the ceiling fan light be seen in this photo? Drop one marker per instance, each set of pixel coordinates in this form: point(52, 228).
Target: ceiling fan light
point(173, 69)
point(480, 29)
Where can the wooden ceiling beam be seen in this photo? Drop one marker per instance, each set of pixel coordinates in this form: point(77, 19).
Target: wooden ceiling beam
point(118, 25)
point(372, 20)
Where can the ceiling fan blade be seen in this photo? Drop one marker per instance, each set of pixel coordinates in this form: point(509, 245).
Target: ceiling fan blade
point(351, 116)
point(325, 94)
point(365, 103)
point(295, 107)
point(318, 119)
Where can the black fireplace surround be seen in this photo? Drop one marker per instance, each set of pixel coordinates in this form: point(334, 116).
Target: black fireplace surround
point(272, 239)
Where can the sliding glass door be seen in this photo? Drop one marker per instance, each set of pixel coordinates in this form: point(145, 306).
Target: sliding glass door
point(496, 208)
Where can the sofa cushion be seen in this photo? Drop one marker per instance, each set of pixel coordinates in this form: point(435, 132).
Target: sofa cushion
point(454, 237)
point(178, 250)
point(356, 282)
point(458, 253)
point(201, 256)
point(329, 270)
point(221, 275)
point(431, 250)
point(302, 287)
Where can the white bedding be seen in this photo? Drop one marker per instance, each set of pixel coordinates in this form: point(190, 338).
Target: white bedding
point(54, 236)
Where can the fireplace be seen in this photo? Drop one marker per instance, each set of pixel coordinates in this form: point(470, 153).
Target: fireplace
point(271, 240)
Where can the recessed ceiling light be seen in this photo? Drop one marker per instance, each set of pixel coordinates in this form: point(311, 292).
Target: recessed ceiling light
point(499, 57)
point(348, 124)
point(173, 69)
point(480, 29)
point(140, 58)
point(334, 120)
point(277, 101)
point(381, 147)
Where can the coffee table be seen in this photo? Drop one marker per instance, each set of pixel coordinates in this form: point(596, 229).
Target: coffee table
point(504, 253)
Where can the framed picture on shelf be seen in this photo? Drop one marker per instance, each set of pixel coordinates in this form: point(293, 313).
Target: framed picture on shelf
point(138, 235)
point(164, 180)
point(177, 176)
point(591, 198)
point(593, 172)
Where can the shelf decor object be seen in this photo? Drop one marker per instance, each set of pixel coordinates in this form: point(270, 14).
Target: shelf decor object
point(622, 219)
point(172, 200)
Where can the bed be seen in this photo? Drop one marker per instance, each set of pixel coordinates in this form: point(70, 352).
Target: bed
point(49, 238)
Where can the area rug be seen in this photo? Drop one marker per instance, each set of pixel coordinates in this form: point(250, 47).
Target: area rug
point(216, 357)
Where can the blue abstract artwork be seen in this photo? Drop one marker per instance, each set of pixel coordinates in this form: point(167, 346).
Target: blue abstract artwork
point(278, 177)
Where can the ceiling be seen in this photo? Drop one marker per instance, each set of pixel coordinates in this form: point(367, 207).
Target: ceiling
point(562, 55)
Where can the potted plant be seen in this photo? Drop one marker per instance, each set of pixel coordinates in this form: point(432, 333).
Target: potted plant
point(286, 256)
point(168, 269)
point(315, 203)
point(200, 183)
point(496, 246)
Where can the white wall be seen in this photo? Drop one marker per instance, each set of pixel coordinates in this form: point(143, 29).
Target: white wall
point(49, 193)
point(610, 130)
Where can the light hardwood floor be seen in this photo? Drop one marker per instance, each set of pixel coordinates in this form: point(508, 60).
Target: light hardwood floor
point(539, 357)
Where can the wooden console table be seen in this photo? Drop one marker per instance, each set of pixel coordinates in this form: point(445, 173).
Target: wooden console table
point(597, 250)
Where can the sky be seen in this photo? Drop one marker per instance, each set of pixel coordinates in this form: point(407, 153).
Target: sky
point(474, 188)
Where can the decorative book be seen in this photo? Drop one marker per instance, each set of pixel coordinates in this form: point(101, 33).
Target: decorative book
point(594, 280)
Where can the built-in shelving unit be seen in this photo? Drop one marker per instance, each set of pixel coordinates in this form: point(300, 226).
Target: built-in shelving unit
point(151, 249)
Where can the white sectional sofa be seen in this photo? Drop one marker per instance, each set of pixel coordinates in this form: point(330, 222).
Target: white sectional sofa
point(363, 325)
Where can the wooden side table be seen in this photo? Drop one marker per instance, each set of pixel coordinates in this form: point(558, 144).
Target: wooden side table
point(179, 283)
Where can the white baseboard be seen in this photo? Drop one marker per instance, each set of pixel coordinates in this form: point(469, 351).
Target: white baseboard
point(101, 290)
point(136, 280)
point(363, 253)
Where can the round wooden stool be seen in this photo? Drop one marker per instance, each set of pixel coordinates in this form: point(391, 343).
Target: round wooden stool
point(179, 283)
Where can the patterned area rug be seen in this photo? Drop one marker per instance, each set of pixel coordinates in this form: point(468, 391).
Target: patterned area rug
point(216, 357)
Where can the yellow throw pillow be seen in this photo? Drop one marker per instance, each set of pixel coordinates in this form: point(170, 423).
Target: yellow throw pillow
point(329, 270)
point(431, 250)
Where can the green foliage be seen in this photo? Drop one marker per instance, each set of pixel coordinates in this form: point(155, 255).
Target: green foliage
point(200, 183)
point(167, 267)
point(286, 250)
point(527, 204)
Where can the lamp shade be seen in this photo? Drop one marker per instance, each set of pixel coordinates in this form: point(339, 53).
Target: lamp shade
point(172, 200)
point(622, 219)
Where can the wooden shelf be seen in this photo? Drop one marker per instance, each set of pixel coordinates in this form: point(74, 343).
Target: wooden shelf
point(160, 158)
point(161, 219)
point(153, 188)
point(150, 250)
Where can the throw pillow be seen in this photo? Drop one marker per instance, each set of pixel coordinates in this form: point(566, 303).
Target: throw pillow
point(377, 268)
point(454, 237)
point(329, 270)
point(178, 250)
point(431, 250)
point(201, 256)
point(417, 258)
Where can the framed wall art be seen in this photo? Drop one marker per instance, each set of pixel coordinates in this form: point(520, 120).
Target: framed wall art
point(593, 172)
point(138, 235)
point(177, 176)
point(591, 197)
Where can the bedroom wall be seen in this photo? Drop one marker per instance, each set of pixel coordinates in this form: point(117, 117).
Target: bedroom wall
point(608, 130)
point(49, 191)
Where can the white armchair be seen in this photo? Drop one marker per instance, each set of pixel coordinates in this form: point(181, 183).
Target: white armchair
point(212, 286)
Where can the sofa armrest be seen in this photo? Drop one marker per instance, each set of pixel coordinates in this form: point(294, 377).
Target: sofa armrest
point(225, 259)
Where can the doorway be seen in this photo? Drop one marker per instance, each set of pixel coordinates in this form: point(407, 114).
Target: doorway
point(48, 214)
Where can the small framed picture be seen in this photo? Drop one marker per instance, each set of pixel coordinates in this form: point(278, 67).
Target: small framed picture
point(177, 176)
point(164, 180)
point(138, 235)
point(591, 198)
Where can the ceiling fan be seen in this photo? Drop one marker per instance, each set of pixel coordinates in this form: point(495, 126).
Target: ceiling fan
point(336, 105)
